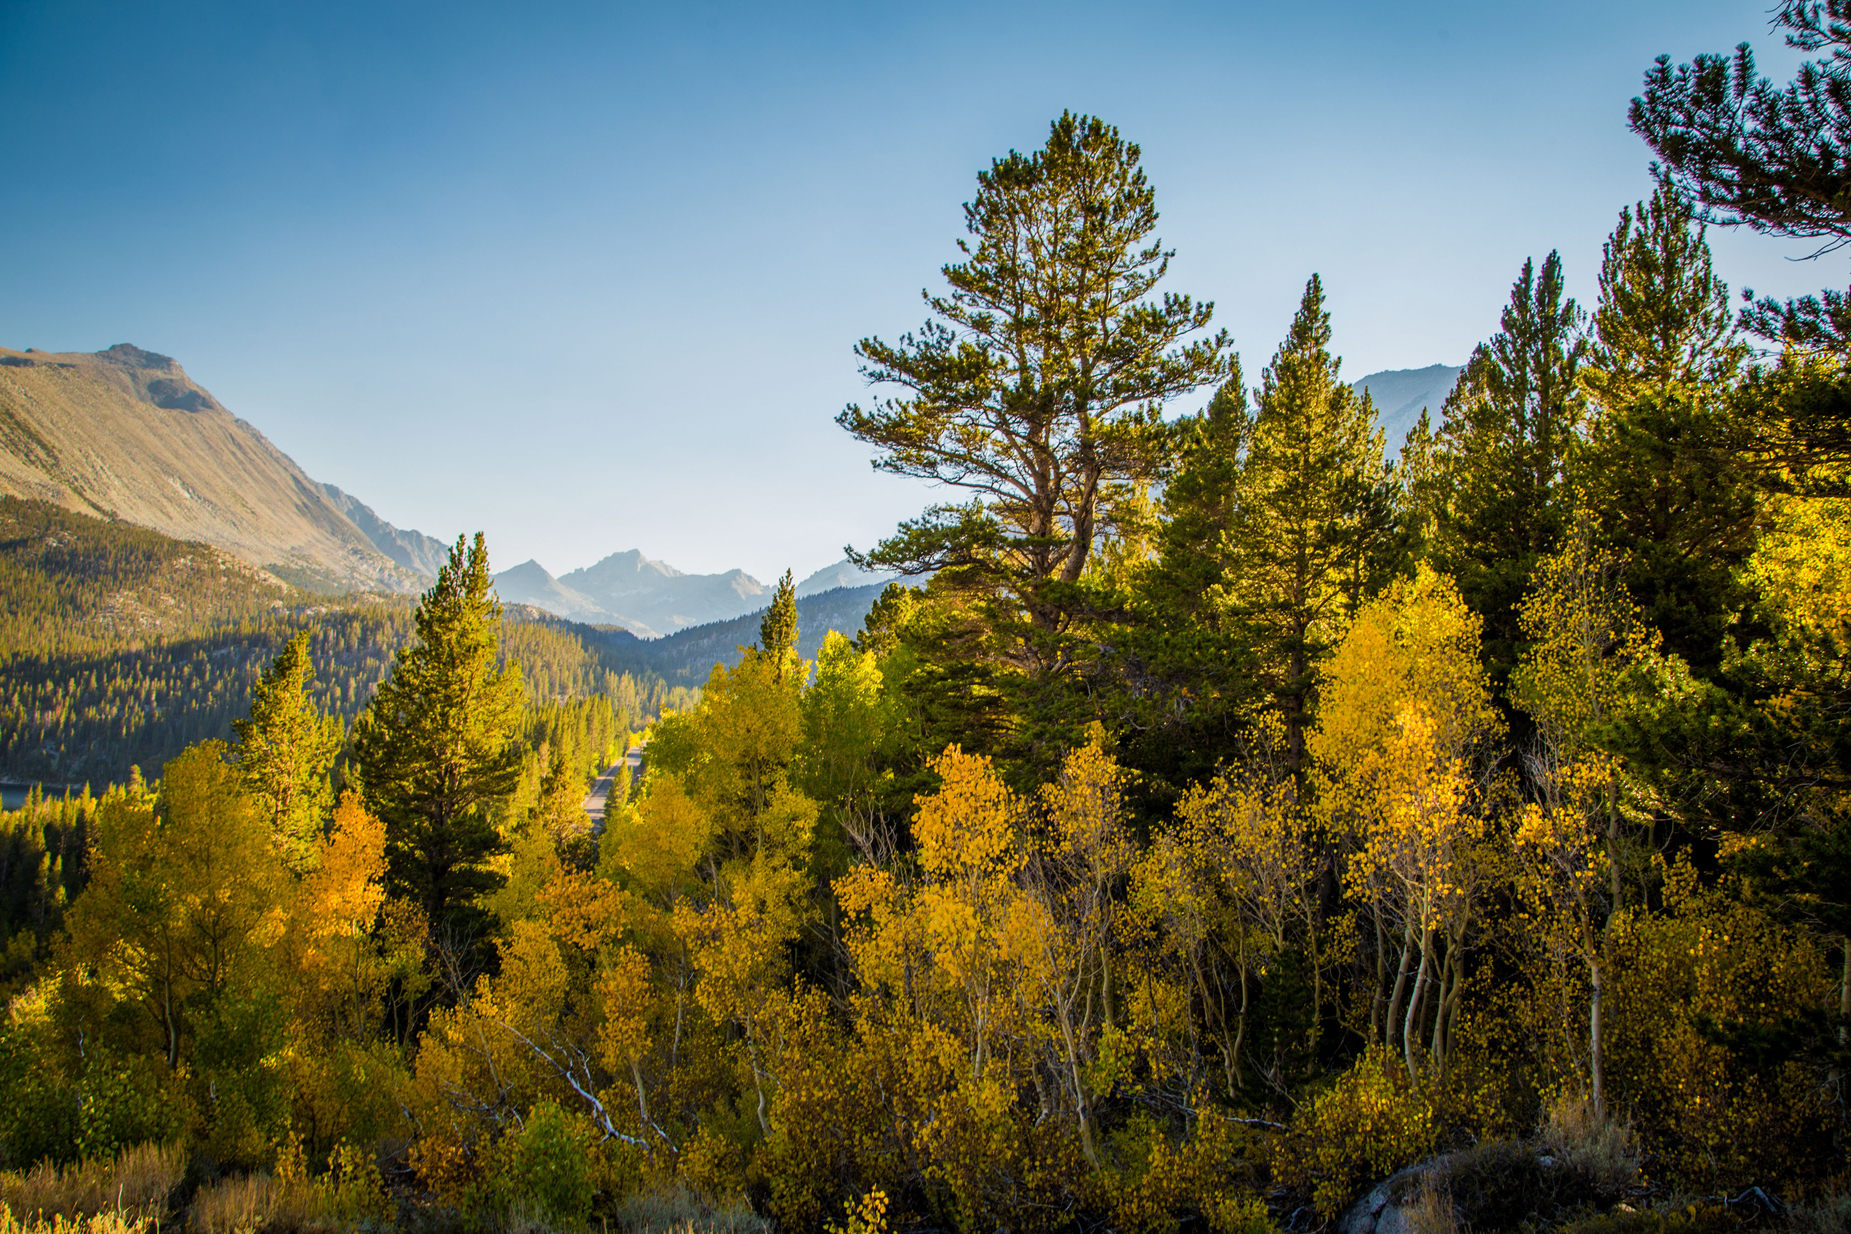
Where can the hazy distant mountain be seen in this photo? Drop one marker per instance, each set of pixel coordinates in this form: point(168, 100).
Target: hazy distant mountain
point(124, 433)
point(1400, 394)
point(842, 574)
point(531, 583)
point(417, 552)
point(657, 595)
point(687, 656)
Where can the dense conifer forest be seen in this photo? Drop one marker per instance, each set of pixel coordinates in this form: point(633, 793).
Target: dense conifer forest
point(1235, 829)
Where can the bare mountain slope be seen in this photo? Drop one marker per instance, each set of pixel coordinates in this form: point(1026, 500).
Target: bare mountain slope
point(1402, 394)
point(126, 434)
point(421, 554)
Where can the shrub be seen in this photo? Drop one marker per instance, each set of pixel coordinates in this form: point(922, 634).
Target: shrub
point(1371, 1122)
point(239, 1204)
point(545, 1168)
point(100, 1223)
point(1597, 1146)
point(674, 1208)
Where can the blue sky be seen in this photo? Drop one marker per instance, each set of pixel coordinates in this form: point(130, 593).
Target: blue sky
point(588, 277)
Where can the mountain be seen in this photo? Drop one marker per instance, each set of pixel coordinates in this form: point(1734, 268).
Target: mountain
point(687, 656)
point(656, 595)
point(842, 574)
point(421, 554)
point(1401, 394)
point(126, 434)
point(531, 583)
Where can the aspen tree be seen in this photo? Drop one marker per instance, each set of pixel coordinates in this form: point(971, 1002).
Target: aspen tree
point(286, 749)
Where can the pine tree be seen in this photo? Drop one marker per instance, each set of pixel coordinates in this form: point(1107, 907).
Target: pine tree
point(1663, 317)
point(437, 751)
point(1659, 468)
point(1510, 424)
point(1311, 493)
point(1200, 505)
point(1039, 386)
point(777, 631)
point(1183, 669)
point(1773, 158)
point(285, 750)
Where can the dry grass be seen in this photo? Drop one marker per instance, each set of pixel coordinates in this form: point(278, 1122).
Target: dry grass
point(237, 1205)
point(1827, 1216)
point(134, 1186)
point(1432, 1209)
point(1600, 1147)
point(98, 1223)
point(673, 1208)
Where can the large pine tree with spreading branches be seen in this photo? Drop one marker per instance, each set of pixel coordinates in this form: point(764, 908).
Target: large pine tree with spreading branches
point(1038, 386)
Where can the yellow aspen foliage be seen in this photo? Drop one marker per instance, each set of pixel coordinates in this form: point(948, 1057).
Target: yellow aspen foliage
point(968, 828)
point(1696, 986)
point(185, 894)
point(582, 909)
point(1802, 568)
point(1586, 634)
point(1372, 1121)
point(1417, 643)
point(1406, 711)
point(1422, 857)
point(350, 944)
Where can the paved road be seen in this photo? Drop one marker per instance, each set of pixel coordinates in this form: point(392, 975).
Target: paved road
point(627, 767)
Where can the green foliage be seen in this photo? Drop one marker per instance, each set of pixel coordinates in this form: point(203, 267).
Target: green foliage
point(1313, 503)
point(1038, 387)
point(286, 750)
point(129, 646)
point(437, 752)
point(546, 1168)
point(1510, 428)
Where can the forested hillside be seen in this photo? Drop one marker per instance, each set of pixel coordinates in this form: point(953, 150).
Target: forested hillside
point(687, 656)
point(125, 646)
point(1243, 830)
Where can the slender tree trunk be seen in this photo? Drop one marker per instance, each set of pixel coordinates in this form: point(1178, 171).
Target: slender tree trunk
point(1596, 1060)
point(1379, 995)
point(1393, 1023)
point(1408, 1036)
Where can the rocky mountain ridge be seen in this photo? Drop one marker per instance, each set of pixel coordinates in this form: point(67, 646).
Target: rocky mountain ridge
point(124, 433)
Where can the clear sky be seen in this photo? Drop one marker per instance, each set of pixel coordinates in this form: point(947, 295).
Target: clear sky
point(588, 277)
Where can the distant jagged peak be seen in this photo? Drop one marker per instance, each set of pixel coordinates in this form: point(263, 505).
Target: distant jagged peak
point(844, 573)
point(628, 562)
point(529, 569)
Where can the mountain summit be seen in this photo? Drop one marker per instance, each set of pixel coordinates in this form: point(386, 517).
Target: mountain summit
point(1402, 394)
point(125, 433)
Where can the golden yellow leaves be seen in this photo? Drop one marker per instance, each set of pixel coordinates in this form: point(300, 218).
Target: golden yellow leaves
point(1417, 644)
point(1419, 832)
point(625, 993)
point(967, 829)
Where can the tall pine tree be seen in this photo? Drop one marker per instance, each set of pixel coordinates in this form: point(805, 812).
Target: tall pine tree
point(1313, 496)
point(437, 751)
point(777, 631)
point(1659, 470)
point(1510, 425)
point(1038, 388)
